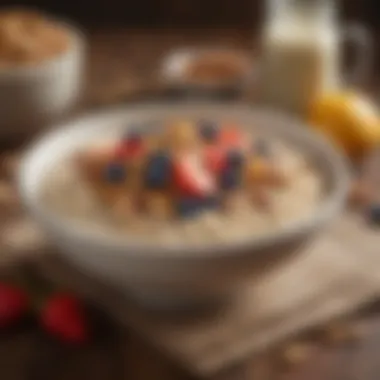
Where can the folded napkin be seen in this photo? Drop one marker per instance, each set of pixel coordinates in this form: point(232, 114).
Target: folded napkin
point(334, 276)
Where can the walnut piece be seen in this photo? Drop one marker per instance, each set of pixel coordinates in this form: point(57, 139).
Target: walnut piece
point(340, 333)
point(296, 353)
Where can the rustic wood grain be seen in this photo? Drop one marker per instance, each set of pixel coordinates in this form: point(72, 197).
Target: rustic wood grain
point(195, 13)
point(27, 356)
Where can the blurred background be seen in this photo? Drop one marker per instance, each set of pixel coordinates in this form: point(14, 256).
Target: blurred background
point(133, 36)
point(127, 43)
point(242, 14)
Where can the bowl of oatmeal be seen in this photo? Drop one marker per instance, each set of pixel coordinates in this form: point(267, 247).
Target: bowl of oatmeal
point(178, 204)
point(41, 61)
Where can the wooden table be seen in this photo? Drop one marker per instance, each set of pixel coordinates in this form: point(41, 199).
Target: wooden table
point(116, 56)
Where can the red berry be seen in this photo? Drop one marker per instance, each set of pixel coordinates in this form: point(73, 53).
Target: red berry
point(231, 137)
point(14, 304)
point(64, 317)
point(215, 159)
point(191, 177)
point(129, 149)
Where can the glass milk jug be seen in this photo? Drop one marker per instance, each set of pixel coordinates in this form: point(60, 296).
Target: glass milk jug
point(302, 53)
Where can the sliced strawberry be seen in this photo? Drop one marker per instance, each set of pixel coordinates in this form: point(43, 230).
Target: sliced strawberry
point(231, 137)
point(129, 149)
point(215, 159)
point(191, 178)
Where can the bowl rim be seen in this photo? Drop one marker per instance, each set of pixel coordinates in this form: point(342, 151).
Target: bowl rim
point(330, 205)
point(77, 43)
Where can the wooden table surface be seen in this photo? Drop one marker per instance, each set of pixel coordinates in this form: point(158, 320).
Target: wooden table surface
point(122, 57)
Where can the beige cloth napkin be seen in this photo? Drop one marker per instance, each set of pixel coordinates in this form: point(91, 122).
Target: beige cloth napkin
point(335, 276)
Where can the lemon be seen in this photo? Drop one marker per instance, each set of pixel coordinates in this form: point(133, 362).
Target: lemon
point(349, 119)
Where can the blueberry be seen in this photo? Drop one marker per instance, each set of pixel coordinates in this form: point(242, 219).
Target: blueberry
point(190, 207)
point(261, 147)
point(230, 179)
point(158, 170)
point(374, 214)
point(115, 173)
point(208, 130)
point(235, 158)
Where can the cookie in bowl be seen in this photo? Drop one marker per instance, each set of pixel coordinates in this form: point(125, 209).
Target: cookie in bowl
point(28, 38)
point(208, 71)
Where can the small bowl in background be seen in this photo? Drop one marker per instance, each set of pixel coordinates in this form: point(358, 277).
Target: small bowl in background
point(33, 95)
point(209, 71)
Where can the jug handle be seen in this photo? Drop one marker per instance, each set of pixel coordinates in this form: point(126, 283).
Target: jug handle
point(361, 40)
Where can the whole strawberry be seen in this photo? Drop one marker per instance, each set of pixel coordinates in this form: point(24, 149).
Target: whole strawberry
point(14, 304)
point(64, 317)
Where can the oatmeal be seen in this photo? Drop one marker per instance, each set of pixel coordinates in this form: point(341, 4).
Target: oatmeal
point(194, 183)
point(26, 37)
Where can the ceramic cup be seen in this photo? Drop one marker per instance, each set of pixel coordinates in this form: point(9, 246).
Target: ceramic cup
point(33, 96)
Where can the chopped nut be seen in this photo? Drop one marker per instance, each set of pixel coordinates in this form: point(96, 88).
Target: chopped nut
point(261, 197)
point(182, 136)
point(296, 353)
point(136, 164)
point(108, 194)
point(277, 178)
point(263, 171)
point(123, 207)
point(235, 200)
point(93, 162)
point(158, 205)
point(153, 142)
point(340, 332)
point(258, 170)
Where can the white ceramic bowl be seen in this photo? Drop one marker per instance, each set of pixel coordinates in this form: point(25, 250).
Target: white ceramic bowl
point(172, 275)
point(35, 95)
